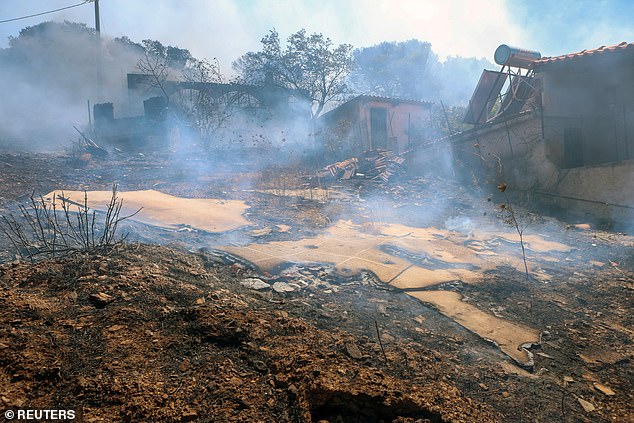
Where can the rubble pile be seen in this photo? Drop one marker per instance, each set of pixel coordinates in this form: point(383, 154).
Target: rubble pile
point(86, 146)
point(376, 164)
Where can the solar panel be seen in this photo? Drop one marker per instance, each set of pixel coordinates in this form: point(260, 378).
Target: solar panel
point(484, 96)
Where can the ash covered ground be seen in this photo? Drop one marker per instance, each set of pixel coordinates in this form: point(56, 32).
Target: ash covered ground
point(170, 326)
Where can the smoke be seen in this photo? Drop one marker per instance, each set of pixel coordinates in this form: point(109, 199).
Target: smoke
point(47, 76)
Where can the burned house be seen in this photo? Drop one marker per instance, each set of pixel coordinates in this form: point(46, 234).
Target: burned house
point(136, 131)
point(371, 123)
point(267, 98)
point(561, 128)
point(222, 112)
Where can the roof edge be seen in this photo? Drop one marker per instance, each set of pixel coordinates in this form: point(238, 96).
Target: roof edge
point(616, 48)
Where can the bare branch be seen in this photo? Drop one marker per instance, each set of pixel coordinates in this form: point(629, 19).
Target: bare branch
point(48, 235)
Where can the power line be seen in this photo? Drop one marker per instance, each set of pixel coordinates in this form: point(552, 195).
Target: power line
point(46, 13)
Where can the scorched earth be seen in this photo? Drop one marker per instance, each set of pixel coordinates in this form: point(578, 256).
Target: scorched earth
point(267, 297)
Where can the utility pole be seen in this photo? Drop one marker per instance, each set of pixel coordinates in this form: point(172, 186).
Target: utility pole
point(97, 23)
point(98, 49)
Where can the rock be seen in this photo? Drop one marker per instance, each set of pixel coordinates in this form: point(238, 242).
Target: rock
point(255, 283)
point(101, 299)
point(604, 389)
point(189, 416)
point(185, 365)
point(353, 351)
point(261, 232)
point(293, 391)
point(71, 296)
point(281, 313)
point(386, 338)
point(420, 319)
point(283, 228)
point(587, 406)
point(282, 287)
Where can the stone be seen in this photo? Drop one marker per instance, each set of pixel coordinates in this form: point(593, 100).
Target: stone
point(604, 389)
point(282, 287)
point(281, 313)
point(261, 232)
point(353, 351)
point(587, 406)
point(386, 338)
point(185, 365)
point(541, 354)
point(255, 283)
point(101, 299)
point(189, 416)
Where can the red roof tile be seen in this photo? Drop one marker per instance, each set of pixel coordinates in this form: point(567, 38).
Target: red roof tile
point(586, 53)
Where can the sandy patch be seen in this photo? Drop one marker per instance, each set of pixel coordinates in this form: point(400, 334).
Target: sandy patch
point(507, 335)
point(403, 256)
point(415, 258)
point(167, 211)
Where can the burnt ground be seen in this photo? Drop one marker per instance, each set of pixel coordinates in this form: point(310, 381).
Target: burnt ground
point(177, 337)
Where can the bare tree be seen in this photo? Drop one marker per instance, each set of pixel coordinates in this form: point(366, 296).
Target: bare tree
point(207, 110)
point(155, 66)
point(161, 63)
point(512, 219)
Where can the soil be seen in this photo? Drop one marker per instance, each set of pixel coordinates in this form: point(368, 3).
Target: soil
point(170, 328)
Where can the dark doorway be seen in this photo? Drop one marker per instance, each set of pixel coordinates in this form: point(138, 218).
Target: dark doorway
point(378, 127)
point(573, 148)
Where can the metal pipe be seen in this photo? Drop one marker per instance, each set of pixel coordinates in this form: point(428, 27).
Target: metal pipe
point(627, 141)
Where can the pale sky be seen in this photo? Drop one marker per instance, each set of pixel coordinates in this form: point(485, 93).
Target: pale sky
point(227, 29)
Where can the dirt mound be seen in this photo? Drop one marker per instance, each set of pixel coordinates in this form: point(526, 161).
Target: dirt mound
point(153, 334)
